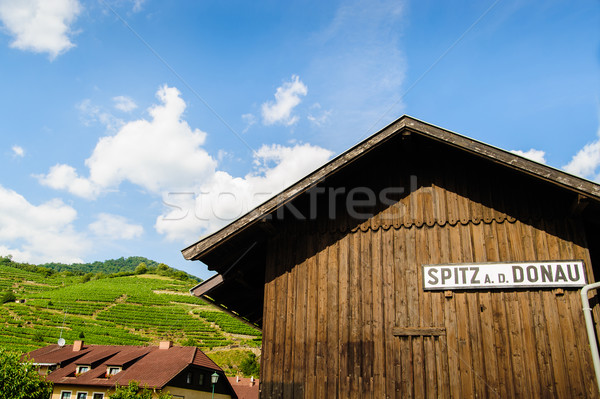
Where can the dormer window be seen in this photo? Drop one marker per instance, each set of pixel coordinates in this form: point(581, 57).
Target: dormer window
point(83, 369)
point(113, 371)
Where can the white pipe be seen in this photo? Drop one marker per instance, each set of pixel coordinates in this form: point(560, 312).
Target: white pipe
point(589, 323)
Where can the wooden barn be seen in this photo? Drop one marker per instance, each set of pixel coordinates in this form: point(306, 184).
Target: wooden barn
point(419, 263)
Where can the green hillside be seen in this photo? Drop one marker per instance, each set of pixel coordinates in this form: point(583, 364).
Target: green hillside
point(104, 268)
point(124, 310)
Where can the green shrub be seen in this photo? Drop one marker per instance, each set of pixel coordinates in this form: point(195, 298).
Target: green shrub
point(250, 366)
point(38, 336)
point(8, 296)
point(189, 342)
point(133, 391)
point(141, 268)
point(20, 379)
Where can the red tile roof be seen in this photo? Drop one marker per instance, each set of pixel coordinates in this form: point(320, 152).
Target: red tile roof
point(244, 388)
point(149, 366)
point(54, 354)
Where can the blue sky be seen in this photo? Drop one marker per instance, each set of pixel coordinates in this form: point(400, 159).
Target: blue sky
point(135, 127)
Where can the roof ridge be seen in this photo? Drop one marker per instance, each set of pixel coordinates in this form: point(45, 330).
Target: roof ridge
point(194, 354)
point(410, 125)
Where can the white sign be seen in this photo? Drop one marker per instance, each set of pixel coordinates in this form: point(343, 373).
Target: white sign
point(570, 273)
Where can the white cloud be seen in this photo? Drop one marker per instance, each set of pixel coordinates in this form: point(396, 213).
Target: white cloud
point(137, 5)
point(39, 233)
point(125, 104)
point(41, 26)
point(159, 154)
point(287, 97)
point(224, 198)
point(91, 114)
point(164, 156)
point(115, 227)
point(65, 177)
point(585, 163)
point(222, 154)
point(316, 119)
point(533, 154)
point(249, 120)
point(587, 160)
point(18, 151)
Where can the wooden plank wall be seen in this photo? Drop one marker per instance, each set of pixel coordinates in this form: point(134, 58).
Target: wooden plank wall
point(332, 304)
point(337, 289)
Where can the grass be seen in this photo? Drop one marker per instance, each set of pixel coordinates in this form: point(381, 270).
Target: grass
point(132, 310)
point(230, 360)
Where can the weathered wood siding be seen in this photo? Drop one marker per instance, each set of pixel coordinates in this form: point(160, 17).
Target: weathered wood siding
point(336, 290)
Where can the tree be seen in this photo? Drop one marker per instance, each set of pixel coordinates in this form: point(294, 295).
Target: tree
point(19, 379)
point(180, 275)
point(162, 267)
point(250, 366)
point(141, 268)
point(44, 270)
point(133, 391)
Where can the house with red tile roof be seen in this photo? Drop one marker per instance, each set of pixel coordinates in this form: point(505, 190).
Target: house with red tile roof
point(81, 371)
point(245, 388)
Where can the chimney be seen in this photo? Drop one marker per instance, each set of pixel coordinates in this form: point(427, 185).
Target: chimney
point(165, 344)
point(237, 378)
point(77, 346)
point(252, 381)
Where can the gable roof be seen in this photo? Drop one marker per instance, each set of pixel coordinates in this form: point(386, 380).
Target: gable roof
point(245, 388)
point(237, 250)
point(150, 366)
point(53, 355)
point(404, 125)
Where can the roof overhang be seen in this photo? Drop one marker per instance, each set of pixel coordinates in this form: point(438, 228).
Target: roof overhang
point(221, 250)
point(404, 125)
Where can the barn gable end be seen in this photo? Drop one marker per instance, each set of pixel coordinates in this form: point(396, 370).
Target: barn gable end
point(334, 265)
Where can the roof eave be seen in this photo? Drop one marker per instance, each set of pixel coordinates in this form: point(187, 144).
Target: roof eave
point(204, 246)
point(408, 124)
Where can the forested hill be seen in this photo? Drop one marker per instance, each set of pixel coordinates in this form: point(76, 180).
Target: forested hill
point(121, 266)
point(109, 266)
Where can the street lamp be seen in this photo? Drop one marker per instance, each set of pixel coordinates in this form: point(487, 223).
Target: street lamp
point(213, 379)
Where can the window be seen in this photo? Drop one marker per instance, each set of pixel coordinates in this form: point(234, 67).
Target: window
point(82, 369)
point(188, 379)
point(81, 395)
point(65, 395)
point(201, 379)
point(113, 370)
point(98, 395)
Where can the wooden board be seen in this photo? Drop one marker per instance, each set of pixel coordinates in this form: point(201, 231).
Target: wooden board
point(348, 317)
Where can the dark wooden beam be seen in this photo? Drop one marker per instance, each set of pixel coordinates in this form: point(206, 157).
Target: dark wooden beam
point(267, 226)
point(418, 331)
point(207, 285)
point(579, 204)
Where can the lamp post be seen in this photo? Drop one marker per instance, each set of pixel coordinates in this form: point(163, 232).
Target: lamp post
point(213, 379)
